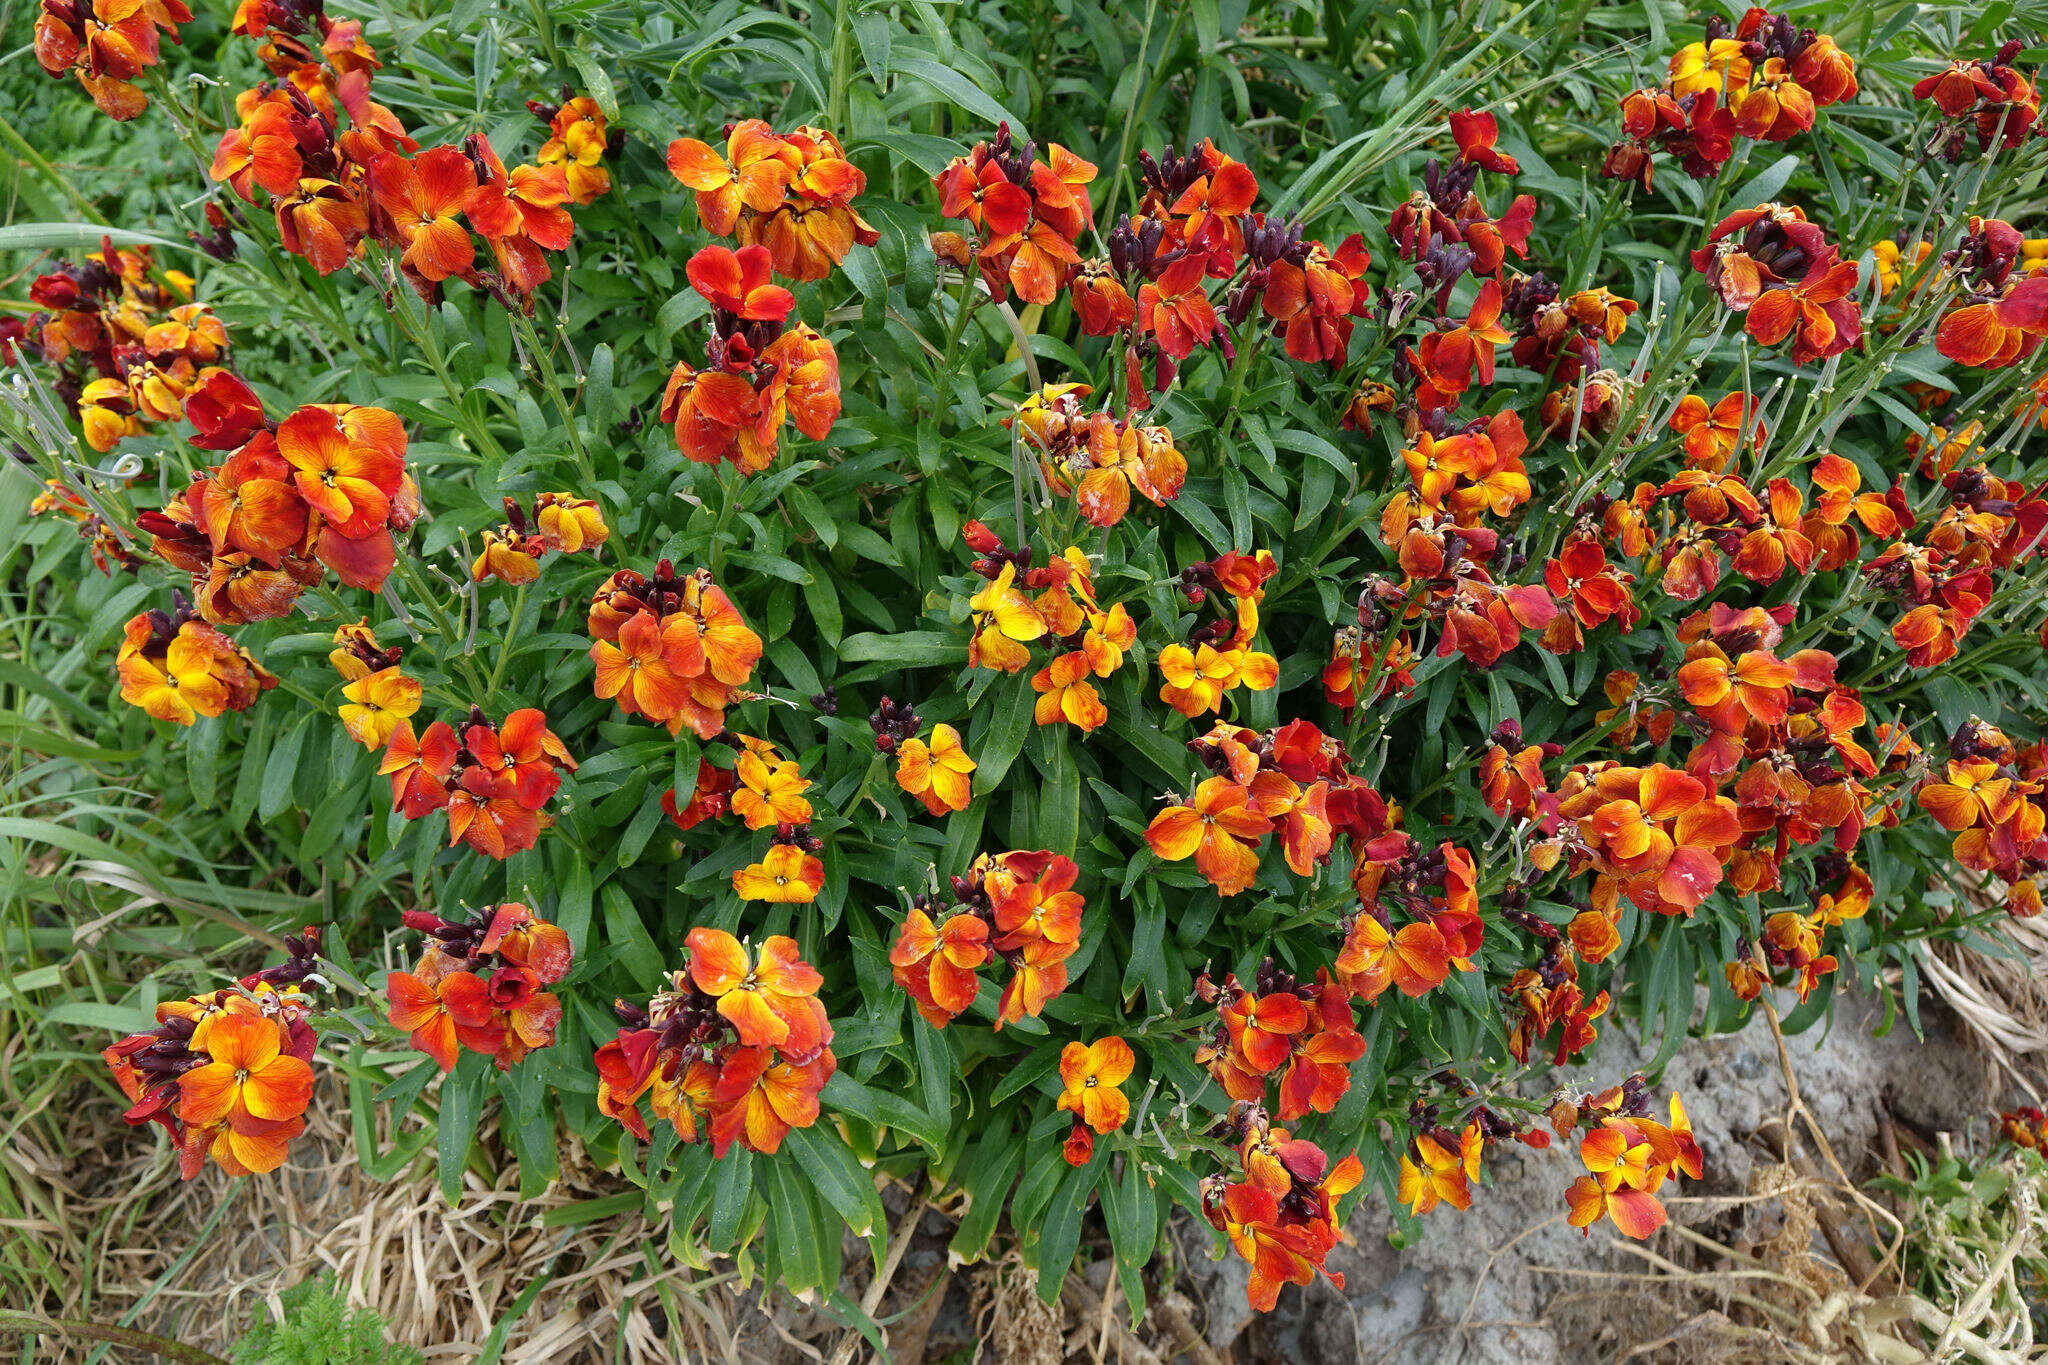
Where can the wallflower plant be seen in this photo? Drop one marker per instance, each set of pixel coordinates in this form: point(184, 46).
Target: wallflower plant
point(1342, 620)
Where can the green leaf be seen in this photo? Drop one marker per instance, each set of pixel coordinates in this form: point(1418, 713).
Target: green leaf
point(909, 649)
point(1130, 1208)
point(992, 1167)
point(282, 771)
point(999, 747)
point(957, 88)
point(840, 1179)
point(462, 1102)
point(597, 81)
point(80, 236)
point(732, 1183)
point(1060, 1232)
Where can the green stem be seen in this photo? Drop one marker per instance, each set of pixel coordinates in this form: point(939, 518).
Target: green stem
point(552, 383)
point(837, 104)
point(505, 648)
point(119, 1336)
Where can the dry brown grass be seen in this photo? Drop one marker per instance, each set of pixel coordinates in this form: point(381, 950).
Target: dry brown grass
point(193, 1261)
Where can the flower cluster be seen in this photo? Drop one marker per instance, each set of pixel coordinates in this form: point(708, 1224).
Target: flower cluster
point(1627, 1155)
point(791, 194)
point(1299, 1033)
point(1946, 580)
point(761, 371)
point(562, 522)
point(1988, 96)
point(769, 791)
point(1792, 940)
point(738, 1042)
point(480, 984)
point(1776, 267)
point(2026, 1126)
point(1196, 221)
point(493, 780)
point(106, 44)
point(228, 1074)
point(1990, 796)
point(1088, 640)
point(1281, 1217)
point(1019, 906)
point(1027, 215)
point(674, 650)
point(1435, 891)
point(1097, 460)
point(1657, 835)
point(2002, 314)
point(1552, 1000)
point(1764, 80)
point(128, 348)
point(339, 168)
point(1439, 1164)
point(377, 695)
point(937, 772)
point(324, 489)
point(1218, 658)
point(578, 142)
point(178, 668)
point(1449, 557)
point(1293, 781)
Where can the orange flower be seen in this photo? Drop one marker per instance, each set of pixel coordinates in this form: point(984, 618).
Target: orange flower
point(1999, 332)
point(1712, 434)
point(771, 1000)
point(737, 282)
point(1005, 619)
point(424, 199)
point(436, 1012)
point(771, 789)
point(1437, 1174)
point(349, 478)
point(936, 964)
point(419, 767)
point(757, 1101)
point(1449, 360)
point(1175, 310)
point(1262, 1027)
point(1091, 1074)
point(753, 172)
point(1065, 694)
point(576, 143)
point(248, 1076)
point(1217, 829)
point(1818, 308)
point(1416, 959)
point(938, 774)
point(639, 671)
point(180, 674)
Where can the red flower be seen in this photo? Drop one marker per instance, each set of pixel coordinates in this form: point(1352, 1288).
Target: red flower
point(737, 282)
point(424, 199)
point(1828, 322)
point(1476, 133)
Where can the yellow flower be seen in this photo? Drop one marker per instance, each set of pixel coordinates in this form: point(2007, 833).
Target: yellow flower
point(377, 702)
point(936, 774)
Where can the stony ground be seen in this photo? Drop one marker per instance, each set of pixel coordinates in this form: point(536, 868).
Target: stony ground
point(1497, 1283)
